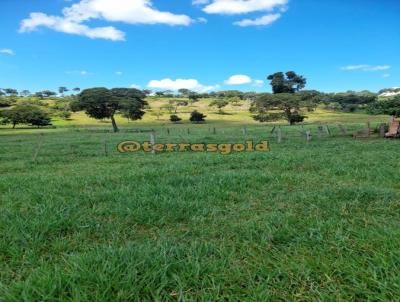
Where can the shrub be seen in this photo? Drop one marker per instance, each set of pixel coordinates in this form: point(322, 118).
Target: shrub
point(174, 118)
point(388, 106)
point(296, 118)
point(197, 117)
point(26, 114)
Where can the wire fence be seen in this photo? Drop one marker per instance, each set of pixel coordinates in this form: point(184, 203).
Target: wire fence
point(85, 142)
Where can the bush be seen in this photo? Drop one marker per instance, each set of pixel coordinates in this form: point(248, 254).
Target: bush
point(296, 118)
point(388, 106)
point(26, 114)
point(174, 118)
point(197, 117)
point(65, 114)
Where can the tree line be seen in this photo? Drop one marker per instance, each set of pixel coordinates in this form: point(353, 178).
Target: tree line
point(289, 100)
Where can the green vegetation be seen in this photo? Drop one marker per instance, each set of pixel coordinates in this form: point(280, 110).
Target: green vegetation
point(310, 221)
point(307, 221)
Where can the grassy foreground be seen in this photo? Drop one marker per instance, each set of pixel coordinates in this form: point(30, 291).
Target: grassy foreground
point(306, 221)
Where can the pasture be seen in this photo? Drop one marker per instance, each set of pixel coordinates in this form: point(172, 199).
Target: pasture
point(314, 220)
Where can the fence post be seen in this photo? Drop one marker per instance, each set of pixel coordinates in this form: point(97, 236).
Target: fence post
point(168, 131)
point(343, 129)
point(320, 131)
point(328, 131)
point(152, 141)
point(382, 130)
point(214, 131)
point(39, 146)
point(105, 147)
point(308, 135)
point(279, 133)
point(188, 131)
point(245, 131)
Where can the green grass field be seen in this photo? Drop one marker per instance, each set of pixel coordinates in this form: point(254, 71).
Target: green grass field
point(304, 222)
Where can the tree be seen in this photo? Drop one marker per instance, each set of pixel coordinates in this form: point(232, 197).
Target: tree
point(351, 101)
point(390, 106)
point(219, 103)
point(62, 90)
point(10, 91)
point(184, 91)
point(289, 82)
point(169, 107)
point(286, 100)
point(26, 114)
point(76, 89)
point(193, 97)
point(45, 94)
point(25, 93)
point(197, 117)
point(272, 107)
point(101, 103)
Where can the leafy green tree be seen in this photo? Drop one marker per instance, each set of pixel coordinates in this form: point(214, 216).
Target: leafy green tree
point(194, 97)
point(286, 100)
point(25, 93)
point(389, 106)
point(10, 91)
point(351, 101)
point(102, 103)
point(288, 82)
point(169, 107)
point(26, 114)
point(272, 107)
point(62, 90)
point(220, 104)
point(184, 91)
point(197, 117)
point(45, 94)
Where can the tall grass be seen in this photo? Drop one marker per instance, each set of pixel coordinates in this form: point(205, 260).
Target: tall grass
point(306, 221)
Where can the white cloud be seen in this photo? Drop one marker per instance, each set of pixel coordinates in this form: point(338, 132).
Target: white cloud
point(7, 51)
point(233, 7)
point(238, 79)
point(242, 79)
point(366, 67)
point(126, 11)
point(174, 85)
point(239, 7)
point(135, 86)
point(386, 75)
point(200, 2)
point(262, 21)
point(258, 83)
point(79, 72)
point(119, 73)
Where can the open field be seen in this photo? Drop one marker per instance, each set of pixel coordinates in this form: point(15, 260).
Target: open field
point(306, 221)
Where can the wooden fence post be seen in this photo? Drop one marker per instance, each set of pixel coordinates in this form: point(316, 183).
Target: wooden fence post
point(152, 141)
point(39, 146)
point(279, 134)
point(245, 131)
point(214, 131)
point(168, 131)
point(320, 131)
point(105, 147)
point(328, 131)
point(308, 135)
point(382, 130)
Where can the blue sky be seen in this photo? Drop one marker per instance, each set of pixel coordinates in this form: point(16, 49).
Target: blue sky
point(201, 45)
